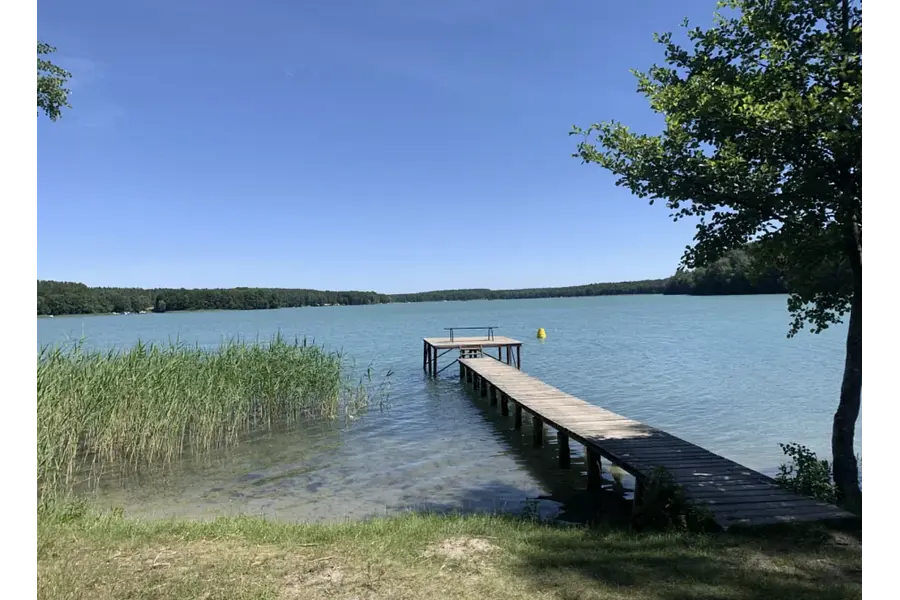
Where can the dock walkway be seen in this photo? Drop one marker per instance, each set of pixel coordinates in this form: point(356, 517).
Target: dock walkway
point(734, 494)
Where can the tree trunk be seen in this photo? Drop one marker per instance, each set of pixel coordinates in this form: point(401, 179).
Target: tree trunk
point(846, 469)
point(844, 465)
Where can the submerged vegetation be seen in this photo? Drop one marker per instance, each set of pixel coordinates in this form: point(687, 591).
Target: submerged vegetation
point(151, 404)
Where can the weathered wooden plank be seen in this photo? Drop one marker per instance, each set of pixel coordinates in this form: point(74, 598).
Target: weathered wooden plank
point(537, 395)
point(749, 495)
point(705, 472)
point(541, 396)
point(587, 421)
point(689, 460)
point(580, 414)
point(714, 470)
point(547, 401)
point(651, 440)
point(683, 455)
point(544, 401)
point(805, 509)
point(733, 493)
point(795, 504)
point(612, 434)
point(691, 486)
point(656, 441)
point(786, 518)
point(699, 464)
point(747, 499)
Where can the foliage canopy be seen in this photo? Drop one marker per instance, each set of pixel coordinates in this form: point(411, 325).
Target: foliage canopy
point(762, 142)
point(52, 95)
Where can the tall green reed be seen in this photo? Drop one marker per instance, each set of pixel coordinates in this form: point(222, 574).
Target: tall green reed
point(153, 403)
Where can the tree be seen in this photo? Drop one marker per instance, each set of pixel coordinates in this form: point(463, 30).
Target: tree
point(763, 143)
point(51, 95)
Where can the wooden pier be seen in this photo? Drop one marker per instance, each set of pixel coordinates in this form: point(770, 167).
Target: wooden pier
point(469, 347)
point(734, 494)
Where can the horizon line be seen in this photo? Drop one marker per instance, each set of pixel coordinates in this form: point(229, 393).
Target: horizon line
point(243, 287)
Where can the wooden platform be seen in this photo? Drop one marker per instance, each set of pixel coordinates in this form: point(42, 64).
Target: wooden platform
point(734, 494)
point(469, 346)
point(445, 343)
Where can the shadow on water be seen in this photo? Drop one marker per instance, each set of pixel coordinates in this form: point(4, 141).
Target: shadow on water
point(436, 449)
point(567, 498)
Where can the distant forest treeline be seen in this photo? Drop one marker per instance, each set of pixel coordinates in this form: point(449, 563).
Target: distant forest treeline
point(732, 274)
point(66, 298)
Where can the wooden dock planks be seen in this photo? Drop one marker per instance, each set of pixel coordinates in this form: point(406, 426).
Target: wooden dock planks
point(443, 343)
point(733, 493)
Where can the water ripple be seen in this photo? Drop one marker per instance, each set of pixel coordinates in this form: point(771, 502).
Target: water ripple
point(716, 371)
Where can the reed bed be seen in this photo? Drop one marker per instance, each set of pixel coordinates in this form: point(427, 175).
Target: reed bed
point(153, 403)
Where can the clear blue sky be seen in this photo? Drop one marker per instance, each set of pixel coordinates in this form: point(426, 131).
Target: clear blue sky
point(393, 145)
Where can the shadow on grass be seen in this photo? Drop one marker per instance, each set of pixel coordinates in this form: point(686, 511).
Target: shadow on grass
point(604, 558)
point(789, 564)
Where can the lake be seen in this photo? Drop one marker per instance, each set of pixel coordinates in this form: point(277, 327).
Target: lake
point(716, 371)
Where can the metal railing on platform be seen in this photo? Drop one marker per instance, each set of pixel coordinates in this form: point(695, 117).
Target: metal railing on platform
point(490, 330)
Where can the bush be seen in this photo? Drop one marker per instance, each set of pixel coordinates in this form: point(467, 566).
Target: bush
point(662, 506)
point(807, 474)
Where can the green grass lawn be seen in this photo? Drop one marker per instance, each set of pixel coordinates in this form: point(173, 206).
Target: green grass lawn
point(436, 557)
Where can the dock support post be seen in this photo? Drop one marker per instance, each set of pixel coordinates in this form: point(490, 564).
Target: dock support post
point(593, 468)
point(565, 457)
point(484, 387)
point(519, 357)
point(537, 431)
point(518, 418)
point(504, 404)
point(434, 368)
point(493, 396)
point(638, 495)
point(468, 375)
point(425, 356)
point(508, 356)
point(462, 371)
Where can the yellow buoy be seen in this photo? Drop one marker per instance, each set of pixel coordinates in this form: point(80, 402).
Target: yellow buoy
point(541, 334)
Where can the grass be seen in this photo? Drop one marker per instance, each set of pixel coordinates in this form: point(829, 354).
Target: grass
point(151, 404)
point(435, 557)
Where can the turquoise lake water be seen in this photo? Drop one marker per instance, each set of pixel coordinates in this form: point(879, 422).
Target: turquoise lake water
point(716, 371)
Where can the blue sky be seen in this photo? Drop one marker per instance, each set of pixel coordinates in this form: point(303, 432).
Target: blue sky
point(392, 145)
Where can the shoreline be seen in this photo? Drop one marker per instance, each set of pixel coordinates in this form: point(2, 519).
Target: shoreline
point(219, 310)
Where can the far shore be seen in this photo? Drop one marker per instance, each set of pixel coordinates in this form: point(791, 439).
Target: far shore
point(216, 310)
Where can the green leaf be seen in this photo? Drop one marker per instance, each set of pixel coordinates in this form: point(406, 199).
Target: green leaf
point(52, 96)
point(762, 143)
